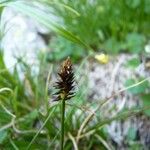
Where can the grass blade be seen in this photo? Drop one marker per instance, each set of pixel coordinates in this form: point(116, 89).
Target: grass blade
point(41, 128)
point(45, 19)
point(120, 116)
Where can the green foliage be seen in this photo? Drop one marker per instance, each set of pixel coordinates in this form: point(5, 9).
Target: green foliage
point(44, 17)
point(60, 48)
point(131, 134)
point(112, 25)
point(135, 42)
point(133, 63)
point(27, 118)
point(138, 89)
point(141, 90)
point(146, 102)
point(135, 146)
point(3, 136)
point(40, 127)
point(133, 3)
point(112, 45)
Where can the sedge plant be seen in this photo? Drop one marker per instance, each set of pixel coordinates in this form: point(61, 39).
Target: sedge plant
point(65, 91)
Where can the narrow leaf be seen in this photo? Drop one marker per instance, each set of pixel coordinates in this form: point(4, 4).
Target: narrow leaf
point(45, 19)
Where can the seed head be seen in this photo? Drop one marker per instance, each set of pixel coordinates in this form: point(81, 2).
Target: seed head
point(65, 82)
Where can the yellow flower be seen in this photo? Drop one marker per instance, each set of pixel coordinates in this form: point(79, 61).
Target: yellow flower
point(102, 58)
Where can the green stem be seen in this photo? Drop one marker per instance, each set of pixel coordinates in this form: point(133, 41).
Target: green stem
point(62, 123)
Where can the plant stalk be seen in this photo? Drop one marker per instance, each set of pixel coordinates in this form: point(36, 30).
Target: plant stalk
point(62, 123)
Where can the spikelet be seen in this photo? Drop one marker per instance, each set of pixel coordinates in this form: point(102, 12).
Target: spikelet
point(65, 82)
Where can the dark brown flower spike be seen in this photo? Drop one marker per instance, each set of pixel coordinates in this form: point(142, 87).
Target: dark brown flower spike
point(65, 82)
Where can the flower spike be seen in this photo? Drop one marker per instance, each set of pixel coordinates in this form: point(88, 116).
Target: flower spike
point(65, 82)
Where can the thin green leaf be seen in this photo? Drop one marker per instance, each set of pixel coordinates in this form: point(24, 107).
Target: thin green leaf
point(68, 8)
point(45, 19)
point(120, 116)
point(13, 145)
point(5, 89)
point(41, 128)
